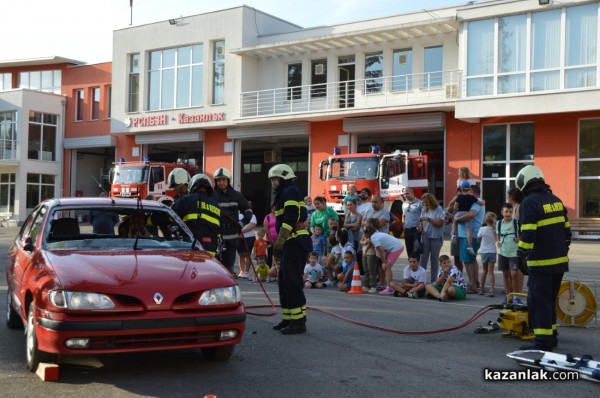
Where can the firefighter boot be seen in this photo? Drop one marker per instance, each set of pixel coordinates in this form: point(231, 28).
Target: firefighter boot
point(281, 325)
point(295, 327)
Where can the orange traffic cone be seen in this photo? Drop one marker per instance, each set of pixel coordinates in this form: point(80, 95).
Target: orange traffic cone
point(356, 286)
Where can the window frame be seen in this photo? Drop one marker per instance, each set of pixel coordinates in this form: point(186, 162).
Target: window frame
point(95, 98)
point(79, 110)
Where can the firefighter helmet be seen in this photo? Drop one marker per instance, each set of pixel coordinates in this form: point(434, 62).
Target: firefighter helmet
point(201, 181)
point(178, 176)
point(527, 175)
point(222, 172)
point(282, 171)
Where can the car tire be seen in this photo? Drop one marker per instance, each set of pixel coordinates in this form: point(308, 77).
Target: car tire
point(13, 320)
point(218, 354)
point(32, 354)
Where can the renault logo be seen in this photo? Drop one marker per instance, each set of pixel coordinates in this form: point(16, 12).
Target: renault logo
point(158, 298)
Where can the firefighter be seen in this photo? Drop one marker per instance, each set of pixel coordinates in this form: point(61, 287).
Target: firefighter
point(178, 180)
point(544, 243)
point(201, 212)
point(290, 249)
point(232, 203)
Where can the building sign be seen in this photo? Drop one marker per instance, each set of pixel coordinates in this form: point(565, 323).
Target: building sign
point(182, 118)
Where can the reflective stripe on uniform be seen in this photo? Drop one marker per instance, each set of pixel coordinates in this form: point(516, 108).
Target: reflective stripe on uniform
point(285, 314)
point(548, 261)
point(296, 313)
point(550, 221)
point(195, 216)
point(525, 245)
point(542, 332)
point(528, 227)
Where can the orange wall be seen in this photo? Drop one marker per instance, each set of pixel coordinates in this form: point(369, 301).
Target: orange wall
point(463, 149)
point(323, 137)
point(123, 148)
point(214, 154)
point(85, 78)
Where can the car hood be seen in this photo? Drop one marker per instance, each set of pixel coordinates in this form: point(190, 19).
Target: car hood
point(131, 272)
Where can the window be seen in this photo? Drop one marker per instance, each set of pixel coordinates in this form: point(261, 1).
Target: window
point(42, 136)
point(39, 187)
point(541, 51)
point(218, 72)
point(507, 148)
point(108, 98)
point(7, 192)
point(134, 83)
point(48, 80)
point(318, 78)
point(294, 84)
point(589, 168)
point(79, 104)
point(5, 81)
point(402, 70)
point(175, 76)
point(374, 73)
point(8, 135)
point(95, 103)
point(433, 66)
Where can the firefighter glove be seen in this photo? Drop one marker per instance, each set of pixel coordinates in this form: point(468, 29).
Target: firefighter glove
point(280, 242)
point(247, 217)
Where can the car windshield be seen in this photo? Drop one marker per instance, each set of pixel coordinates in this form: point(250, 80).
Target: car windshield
point(131, 174)
point(115, 228)
point(354, 168)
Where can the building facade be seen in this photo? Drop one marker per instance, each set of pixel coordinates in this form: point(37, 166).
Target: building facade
point(491, 85)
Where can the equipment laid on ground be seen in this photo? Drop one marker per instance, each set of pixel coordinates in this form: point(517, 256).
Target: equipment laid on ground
point(575, 304)
point(514, 318)
point(491, 327)
point(587, 368)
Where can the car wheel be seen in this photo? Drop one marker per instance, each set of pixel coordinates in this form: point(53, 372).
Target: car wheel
point(33, 354)
point(13, 320)
point(218, 354)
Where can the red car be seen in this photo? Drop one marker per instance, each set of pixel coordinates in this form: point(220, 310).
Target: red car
point(132, 279)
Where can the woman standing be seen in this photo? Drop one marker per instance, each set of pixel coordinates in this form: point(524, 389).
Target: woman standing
point(352, 222)
point(388, 249)
point(432, 227)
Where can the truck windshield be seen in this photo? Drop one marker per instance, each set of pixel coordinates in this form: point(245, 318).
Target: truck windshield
point(354, 168)
point(131, 174)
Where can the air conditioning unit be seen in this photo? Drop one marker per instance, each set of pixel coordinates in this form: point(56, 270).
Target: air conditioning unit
point(319, 69)
point(451, 91)
point(270, 156)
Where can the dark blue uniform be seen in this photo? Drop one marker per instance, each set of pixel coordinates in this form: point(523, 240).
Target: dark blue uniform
point(202, 215)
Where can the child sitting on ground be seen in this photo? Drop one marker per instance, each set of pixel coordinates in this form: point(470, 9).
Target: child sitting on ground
point(487, 239)
point(345, 277)
point(450, 283)
point(413, 280)
point(313, 272)
point(262, 269)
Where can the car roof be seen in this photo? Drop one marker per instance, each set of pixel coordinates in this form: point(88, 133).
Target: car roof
point(103, 201)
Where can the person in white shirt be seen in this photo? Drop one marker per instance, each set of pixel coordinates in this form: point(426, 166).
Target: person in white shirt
point(388, 249)
point(487, 239)
point(413, 281)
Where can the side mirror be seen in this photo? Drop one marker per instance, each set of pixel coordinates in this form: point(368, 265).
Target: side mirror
point(28, 244)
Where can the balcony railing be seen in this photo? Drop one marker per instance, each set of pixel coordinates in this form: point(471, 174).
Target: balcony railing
point(372, 92)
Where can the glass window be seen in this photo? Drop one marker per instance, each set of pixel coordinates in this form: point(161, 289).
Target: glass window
point(175, 78)
point(8, 135)
point(41, 144)
point(512, 40)
point(7, 192)
point(79, 105)
point(434, 64)
point(39, 187)
point(48, 80)
point(374, 73)
point(219, 72)
point(294, 83)
point(5, 81)
point(134, 83)
point(318, 78)
point(108, 101)
point(507, 148)
point(589, 168)
point(402, 70)
point(95, 103)
point(580, 52)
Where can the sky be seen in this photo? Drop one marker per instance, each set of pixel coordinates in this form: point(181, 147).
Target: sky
point(82, 29)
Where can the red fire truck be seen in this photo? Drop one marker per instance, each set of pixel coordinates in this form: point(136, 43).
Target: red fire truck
point(140, 179)
point(384, 174)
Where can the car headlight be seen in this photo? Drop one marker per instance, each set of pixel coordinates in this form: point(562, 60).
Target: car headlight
point(223, 295)
point(80, 300)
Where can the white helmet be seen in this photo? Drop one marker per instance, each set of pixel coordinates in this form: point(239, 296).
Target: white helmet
point(200, 180)
point(222, 172)
point(177, 177)
point(527, 175)
point(282, 171)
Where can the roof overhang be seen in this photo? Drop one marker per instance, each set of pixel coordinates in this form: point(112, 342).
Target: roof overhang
point(376, 35)
point(39, 61)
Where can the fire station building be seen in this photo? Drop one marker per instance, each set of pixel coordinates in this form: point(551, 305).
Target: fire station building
point(492, 86)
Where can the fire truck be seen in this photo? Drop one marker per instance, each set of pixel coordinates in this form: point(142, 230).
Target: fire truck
point(384, 174)
point(140, 179)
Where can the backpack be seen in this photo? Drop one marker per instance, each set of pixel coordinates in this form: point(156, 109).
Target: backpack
point(499, 227)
